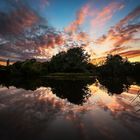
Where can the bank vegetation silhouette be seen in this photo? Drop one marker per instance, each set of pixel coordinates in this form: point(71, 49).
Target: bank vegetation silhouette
point(73, 62)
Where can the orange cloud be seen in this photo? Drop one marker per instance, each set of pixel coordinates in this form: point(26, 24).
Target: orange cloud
point(121, 37)
point(50, 41)
point(80, 18)
point(130, 54)
point(116, 50)
point(106, 14)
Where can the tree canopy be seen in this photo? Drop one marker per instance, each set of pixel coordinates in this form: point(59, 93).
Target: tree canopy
point(74, 60)
point(115, 65)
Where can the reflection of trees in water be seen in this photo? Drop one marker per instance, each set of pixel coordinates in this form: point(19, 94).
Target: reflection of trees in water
point(28, 117)
point(73, 90)
point(27, 84)
point(116, 85)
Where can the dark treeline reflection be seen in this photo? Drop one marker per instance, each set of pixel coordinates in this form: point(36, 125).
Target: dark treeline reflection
point(74, 91)
point(117, 85)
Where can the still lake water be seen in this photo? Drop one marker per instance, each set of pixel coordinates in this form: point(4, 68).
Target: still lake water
point(69, 110)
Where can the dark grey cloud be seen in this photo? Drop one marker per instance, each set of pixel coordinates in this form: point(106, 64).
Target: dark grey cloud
point(17, 21)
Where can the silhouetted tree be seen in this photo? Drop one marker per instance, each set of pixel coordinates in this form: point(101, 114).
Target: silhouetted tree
point(115, 65)
point(136, 70)
point(27, 68)
point(74, 60)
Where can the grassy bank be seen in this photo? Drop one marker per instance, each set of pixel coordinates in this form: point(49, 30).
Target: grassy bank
point(69, 76)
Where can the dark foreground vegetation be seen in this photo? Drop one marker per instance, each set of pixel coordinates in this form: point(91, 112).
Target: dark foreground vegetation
point(73, 63)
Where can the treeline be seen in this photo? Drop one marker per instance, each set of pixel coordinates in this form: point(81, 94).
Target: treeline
point(116, 66)
point(75, 60)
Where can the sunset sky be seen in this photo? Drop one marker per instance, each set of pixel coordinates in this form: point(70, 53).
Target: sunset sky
point(42, 28)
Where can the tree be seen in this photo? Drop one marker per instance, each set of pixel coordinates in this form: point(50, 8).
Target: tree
point(136, 70)
point(115, 65)
point(28, 67)
point(74, 60)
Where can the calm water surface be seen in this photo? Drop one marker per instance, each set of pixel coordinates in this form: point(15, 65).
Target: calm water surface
point(69, 110)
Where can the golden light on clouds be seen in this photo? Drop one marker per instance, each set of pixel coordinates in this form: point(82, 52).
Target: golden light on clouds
point(135, 59)
point(123, 37)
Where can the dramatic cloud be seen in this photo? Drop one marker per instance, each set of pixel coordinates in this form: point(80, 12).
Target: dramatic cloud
point(80, 19)
point(96, 17)
point(41, 42)
point(24, 34)
point(17, 21)
point(129, 18)
point(123, 35)
point(106, 14)
point(116, 50)
point(130, 54)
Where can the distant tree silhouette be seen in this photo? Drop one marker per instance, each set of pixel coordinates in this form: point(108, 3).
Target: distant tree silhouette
point(27, 68)
point(75, 60)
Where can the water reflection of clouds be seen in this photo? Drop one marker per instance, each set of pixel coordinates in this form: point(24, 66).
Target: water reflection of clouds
point(101, 114)
point(99, 97)
point(114, 102)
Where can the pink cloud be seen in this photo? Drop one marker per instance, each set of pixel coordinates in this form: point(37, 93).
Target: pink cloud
point(80, 19)
point(106, 14)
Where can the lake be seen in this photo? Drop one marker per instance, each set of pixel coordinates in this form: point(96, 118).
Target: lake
point(55, 109)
